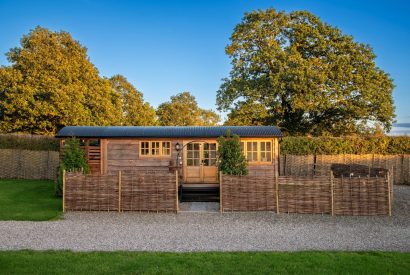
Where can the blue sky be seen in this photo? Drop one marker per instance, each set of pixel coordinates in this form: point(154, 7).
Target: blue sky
point(166, 47)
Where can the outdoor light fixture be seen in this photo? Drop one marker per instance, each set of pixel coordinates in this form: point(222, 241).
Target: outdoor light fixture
point(177, 146)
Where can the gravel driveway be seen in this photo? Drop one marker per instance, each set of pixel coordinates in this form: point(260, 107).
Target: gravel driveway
point(214, 232)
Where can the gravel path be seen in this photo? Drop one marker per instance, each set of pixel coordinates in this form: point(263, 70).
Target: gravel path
point(214, 232)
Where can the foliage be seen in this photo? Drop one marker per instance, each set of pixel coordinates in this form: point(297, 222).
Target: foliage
point(74, 159)
point(306, 262)
point(183, 110)
point(51, 83)
point(28, 200)
point(308, 76)
point(135, 111)
point(344, 145)
point(248, 113)
point(28, 142)
point(231, 159)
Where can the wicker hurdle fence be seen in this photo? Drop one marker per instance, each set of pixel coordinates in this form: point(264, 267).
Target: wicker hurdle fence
point(320, 165)
point(122, 191)
point(366, 196)
point(27, 164)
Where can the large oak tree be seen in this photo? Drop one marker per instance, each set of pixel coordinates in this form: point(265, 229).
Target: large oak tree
point(135, 111)
point(303, 75)
point(183, 110)
point(51, 83)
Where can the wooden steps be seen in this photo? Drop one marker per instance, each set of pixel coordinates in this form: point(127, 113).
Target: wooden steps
point(201, 192)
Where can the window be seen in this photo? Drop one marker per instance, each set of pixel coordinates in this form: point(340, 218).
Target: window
point(266, 151)
point(210, 154)
point(257, 151)
point(155, 148)
point(166, 148)
point(252, 151)
point(193, 154)
point(144, 148)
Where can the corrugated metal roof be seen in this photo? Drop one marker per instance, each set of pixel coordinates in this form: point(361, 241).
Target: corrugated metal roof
point(167, 131)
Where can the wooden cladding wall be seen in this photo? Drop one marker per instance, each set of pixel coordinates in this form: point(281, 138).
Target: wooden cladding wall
point(122, 191)
point(125, 155)
point(307, 195)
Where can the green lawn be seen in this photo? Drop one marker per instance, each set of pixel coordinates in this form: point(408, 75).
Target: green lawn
point(28, 200)
point(64, 262)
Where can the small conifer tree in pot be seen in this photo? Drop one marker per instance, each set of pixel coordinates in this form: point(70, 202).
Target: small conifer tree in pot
point(231, 159)
point(74, 160)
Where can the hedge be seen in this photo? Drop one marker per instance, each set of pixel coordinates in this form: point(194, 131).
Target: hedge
point(28, 142)
point(289, 145)
point(345, 145)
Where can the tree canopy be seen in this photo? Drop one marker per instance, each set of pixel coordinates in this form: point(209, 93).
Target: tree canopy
point(307, 77)
point(51, 83)
point(183, 110)
point(135, 111)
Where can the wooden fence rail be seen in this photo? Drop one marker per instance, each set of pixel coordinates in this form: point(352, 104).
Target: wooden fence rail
point(122, 191)
point(307, 195)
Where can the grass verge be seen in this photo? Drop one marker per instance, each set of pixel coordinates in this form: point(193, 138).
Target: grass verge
point(66, 262)
point(28, 200)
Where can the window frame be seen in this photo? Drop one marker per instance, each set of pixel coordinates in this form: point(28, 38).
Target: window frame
point(266, 152)
point(159, 149)
point(244, 146)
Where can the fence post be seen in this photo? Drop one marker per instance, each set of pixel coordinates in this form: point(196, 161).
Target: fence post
point(388, 192)
point(177, 187)
point(277, 195)
point(220, 192)
point(63, 190)
point(332, 191)
point(119, 191)
point(392, 182)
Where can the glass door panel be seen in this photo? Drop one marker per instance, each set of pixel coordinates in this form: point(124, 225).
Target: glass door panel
point(193, 154)
point(209, 155)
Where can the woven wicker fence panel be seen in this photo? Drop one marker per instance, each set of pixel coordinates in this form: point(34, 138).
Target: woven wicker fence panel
point(304, 195)
point(389, 162)
point(361, 196)
point(145, 191)
point(405, 171)
point(91, 192)
point(359, 159)
point(248, 193)
point(306, 165)
point(298, 165)
point(282, 163)
point(26, 164)
point(261, 170)
point(324, 162)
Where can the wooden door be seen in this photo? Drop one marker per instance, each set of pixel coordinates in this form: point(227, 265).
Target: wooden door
point(193, 165)
point(209, 168)
point(200, 163)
